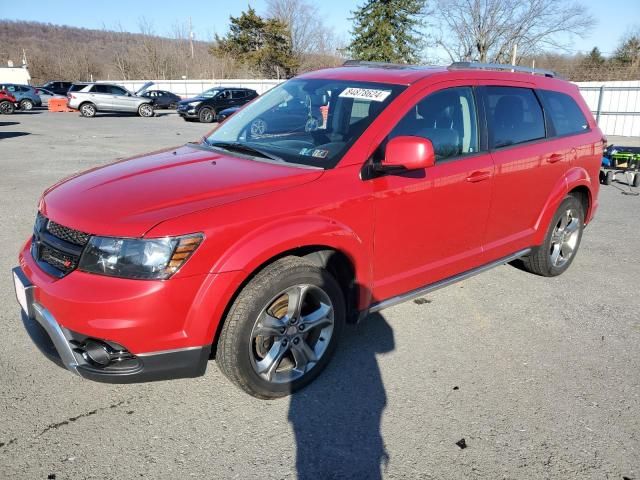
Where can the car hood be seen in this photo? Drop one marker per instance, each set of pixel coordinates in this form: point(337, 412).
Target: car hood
point(193, 99)
point(129, 197)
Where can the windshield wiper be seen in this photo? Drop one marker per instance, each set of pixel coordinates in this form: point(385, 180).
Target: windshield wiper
point(244, 148)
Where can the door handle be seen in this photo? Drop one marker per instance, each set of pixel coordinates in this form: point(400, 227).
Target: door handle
point(556, 157)
point(479, 176)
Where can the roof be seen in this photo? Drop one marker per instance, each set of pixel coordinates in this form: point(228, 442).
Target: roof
point(407, 74)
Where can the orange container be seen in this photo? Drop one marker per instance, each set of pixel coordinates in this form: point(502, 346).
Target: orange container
point(59, 105)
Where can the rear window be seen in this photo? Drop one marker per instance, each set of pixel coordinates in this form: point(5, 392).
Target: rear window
point(566, 115)
point(515, 116)
point(76, 87)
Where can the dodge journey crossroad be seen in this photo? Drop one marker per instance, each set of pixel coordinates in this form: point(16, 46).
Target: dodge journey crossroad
point(254, 246)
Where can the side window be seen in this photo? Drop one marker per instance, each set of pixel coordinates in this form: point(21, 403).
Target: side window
point(566, 116)
point(515, 116)
point(116, 90)
point(99, 89)
point(447, 118)
point(238, 94)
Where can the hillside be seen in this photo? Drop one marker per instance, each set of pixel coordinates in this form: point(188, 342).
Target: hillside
point(70, 53)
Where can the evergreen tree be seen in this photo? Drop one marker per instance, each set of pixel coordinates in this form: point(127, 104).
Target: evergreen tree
point(595, 58)
point(264, 45)
point(388, 31)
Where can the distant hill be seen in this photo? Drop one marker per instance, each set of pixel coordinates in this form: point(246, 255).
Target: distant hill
point(71, 53)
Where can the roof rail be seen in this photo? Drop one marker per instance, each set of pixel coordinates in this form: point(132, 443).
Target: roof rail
point(365, 63)
point(500, 66)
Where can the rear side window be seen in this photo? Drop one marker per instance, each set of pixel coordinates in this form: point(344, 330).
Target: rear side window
point(239, 94)
point(514, 114)
point(100, 89)
point(76, 87)
point(566, 116)
point(447, 118)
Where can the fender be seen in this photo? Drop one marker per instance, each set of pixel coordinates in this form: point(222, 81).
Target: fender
point(574, 177)
point(259, 246)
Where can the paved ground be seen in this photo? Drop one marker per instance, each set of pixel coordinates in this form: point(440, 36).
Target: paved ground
point(541, 377)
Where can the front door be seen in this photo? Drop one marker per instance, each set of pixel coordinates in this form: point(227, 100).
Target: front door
point(429, 224)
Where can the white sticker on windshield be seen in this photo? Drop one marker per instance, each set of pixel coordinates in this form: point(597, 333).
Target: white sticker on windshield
point(365, 94)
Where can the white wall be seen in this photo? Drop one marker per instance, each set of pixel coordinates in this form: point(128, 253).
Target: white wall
point(619, 108)
point(17, 75)
point(191, 88)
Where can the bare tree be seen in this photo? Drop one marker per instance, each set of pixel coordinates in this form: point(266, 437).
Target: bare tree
point(307, 31)
point(487, 30)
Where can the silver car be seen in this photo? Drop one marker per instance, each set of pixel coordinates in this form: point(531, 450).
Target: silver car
point(46, 95)
point(107, 97)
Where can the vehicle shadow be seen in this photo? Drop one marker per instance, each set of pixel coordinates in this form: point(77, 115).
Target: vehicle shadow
point(8, 124)
point(336, 419)
point(5, 135)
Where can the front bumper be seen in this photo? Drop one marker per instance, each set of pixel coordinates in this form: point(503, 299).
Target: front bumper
point(68, 349)
point(188, 112)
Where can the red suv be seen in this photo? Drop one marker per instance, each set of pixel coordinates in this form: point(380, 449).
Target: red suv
point(255, 245)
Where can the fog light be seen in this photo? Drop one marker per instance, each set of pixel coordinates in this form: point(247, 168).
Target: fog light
point(96, 353)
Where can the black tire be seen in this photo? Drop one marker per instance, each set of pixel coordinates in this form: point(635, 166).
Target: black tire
point(206, 115)
point(7, 108)
point(88, 110)
point(608, 178)
point(238, 346)
point(541, 260)
point(146, 110)
point(636, 179)
point(26, 105)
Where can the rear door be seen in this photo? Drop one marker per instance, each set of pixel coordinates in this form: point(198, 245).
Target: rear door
point(429, 224)
point(527, 166)
point(100, 95)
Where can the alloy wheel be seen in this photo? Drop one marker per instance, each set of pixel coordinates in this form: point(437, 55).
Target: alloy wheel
point(258, 127)
point(564, 238)
point(291, 334)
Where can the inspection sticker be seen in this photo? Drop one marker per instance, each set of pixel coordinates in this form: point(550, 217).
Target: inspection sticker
point(365, 94)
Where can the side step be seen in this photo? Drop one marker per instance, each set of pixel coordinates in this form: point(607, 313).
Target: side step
point(376, 307)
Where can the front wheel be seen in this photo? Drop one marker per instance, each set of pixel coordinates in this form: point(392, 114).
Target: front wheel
point(145, 110)
point(282, 330)
point(561, 243)
point(7, 108)
point(206, 115)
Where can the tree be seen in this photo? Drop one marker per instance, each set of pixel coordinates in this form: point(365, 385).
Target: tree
point(628, 53)
point(388, 31)
point(264, 45)
point(487, 30)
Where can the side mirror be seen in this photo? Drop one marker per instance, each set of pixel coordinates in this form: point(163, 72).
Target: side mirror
point(409, 153)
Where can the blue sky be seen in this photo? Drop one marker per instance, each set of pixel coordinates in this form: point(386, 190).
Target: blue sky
point(615, 16)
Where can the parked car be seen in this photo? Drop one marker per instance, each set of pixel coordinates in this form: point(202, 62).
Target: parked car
point(46, 95)
point(227, 112)
point(25, 95)
point(162, 98)
point(258, 249)
point(206, 106)
point(7, 103)
point(57, 87)
point(107, 97)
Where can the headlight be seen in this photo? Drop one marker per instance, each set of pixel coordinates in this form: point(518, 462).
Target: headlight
point(148, 259)
point(194, 104)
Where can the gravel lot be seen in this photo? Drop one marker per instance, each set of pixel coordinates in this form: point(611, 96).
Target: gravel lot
point(541, 377)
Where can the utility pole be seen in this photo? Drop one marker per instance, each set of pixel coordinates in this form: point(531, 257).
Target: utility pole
point(191, 37)
point(515, 52)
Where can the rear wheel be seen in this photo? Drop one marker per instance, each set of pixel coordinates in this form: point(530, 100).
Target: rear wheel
point(206, 115)
point(561, 243)
point(636, 179)
point(7, 108)
point(88, 110)
point(145, 110)
point(608, 178)
point(26, 104)
point(282, 329)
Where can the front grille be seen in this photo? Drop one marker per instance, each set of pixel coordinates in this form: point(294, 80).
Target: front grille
point(57, 248)
point(68, 234)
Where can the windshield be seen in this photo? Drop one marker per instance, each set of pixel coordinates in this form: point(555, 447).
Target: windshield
point(306, 121)
point(212, 92)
